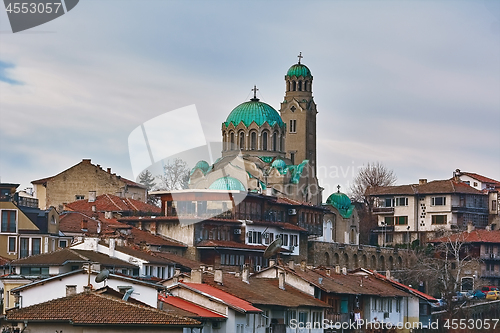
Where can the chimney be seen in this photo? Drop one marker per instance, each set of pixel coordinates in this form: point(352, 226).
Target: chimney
point(118, 193)
point(84, 225)
point(337, 269)
point(328, 272)
point(488, 227)
point(281, 280)
point(218, 276)
point(196, 276)
point(456, 175)
point(108, 215)
point(272, 262)
point(344, 270)
point(94, 208)
point(470, 227)
point(112, 247)
point(245, 274)
point(177, 272)
point(291, 265)
point(109, 170)
point(388, 274)
point(422, 181)
point(86, 160)
point(202, 268)
point(303, 265)
point(92, 196)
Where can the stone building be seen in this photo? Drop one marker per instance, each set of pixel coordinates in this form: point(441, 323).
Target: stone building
point(84, 181)
point(269, 152)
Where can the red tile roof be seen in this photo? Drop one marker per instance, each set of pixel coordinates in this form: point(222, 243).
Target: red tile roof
point(196, 310)
point(475, 236)
point(179, 260)
point(112, 203)
point(94, 309)
point(4, 261)
point(280, 225)
point(230, 244)
point(433, 187)
point(482, 179)
point(233, 301)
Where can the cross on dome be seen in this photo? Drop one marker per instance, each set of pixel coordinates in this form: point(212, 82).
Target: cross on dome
point(300, 56)
point(338, 188)
point(254, 93)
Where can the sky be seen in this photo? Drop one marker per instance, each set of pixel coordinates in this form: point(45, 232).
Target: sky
point(414, 85)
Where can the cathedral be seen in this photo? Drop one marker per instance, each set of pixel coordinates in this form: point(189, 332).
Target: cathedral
point(266, 151)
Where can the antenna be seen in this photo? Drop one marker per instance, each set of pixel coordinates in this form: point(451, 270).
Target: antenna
point(273, 248)
point(102, 276)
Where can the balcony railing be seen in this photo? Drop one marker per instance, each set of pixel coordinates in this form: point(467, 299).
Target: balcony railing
point(383, 210)
point(490, 274)
point(490, 256)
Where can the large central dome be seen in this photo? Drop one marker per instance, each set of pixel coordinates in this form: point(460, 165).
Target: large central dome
point(254, 110)
point(299, 70)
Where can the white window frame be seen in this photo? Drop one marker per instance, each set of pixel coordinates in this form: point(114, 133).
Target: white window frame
point(15, 245)
point(16, 222)
point(433, 200)
point(397, 202)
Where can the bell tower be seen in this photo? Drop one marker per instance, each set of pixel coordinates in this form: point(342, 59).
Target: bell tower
point(298, 112)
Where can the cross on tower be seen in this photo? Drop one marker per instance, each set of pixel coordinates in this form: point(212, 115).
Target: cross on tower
point(300, 56)
point(254, 92)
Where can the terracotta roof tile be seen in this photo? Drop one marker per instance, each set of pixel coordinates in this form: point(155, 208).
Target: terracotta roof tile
point(436, 186)
point(112, 203)
point(96, 309)
point(227, 298)
point(482, 179)
point(475, 236)
point(195, 310)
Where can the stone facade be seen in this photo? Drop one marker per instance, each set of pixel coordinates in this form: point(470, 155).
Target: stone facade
point(79, 181)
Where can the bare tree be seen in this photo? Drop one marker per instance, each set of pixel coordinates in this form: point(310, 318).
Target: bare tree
point(175, 176)
point(369, 176)
point(372, 175)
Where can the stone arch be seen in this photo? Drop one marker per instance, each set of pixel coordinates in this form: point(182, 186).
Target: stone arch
point(265, 140)
point(364, 261)
point(275, 141)
point(346, 260)
point(336, 259)
point(373, 262)
point(253, 140)
point(391, 263)
point(241, 141)
point(300, 85)
point(382, 263)
point(294, 85)
point(224, 140)
point(355, 261)
point(327, 259)
point(288, 85)
point(231, 140)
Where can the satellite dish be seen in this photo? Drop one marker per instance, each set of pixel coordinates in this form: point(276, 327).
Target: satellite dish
point(103, 275)
point(273, 248)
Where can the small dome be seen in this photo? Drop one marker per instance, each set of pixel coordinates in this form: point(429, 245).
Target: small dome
point(228, 184)
point(254, 110)
point(299, 70)
point(342, 203)
point(279, 164)
point(202, 165)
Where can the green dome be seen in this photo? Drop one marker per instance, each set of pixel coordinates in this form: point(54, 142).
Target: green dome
point(202, 165)
point(254, 110)
point(342, 203)
point(279, 164)
point(228, 184)
point(299, 70)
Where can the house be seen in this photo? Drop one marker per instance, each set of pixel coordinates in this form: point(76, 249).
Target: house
point(95, 312)
point(482, 246)
point(77, 281)
point(232, 228)
point(351, 297)
point(421, 211)
point(82, 181)
point(26, 230)
point(98, 224)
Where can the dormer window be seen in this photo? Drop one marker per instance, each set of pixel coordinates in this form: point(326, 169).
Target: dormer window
point(9, 221)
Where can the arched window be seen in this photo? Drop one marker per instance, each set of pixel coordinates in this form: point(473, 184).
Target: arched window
point(294, 85)
point(282, 146)
point(275, 141)
point(264, 140)
point(305, 86)
point(242, 140)
point(224, 140)
point(288, 85)
point(253, 140)
point(231, 139)
point(300, 85)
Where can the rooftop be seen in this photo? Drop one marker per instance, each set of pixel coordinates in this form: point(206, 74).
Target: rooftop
point(475, 236)
point(112, 203)
point(433, 187)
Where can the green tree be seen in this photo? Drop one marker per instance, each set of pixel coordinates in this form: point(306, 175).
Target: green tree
point(147, 179)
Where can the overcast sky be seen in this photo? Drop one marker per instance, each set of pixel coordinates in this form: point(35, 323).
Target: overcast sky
point(412, 84)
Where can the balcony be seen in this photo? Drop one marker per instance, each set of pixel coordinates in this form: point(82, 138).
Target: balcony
point(383, 210)
point(490, 274)
point(490, 256)
point(465, 209)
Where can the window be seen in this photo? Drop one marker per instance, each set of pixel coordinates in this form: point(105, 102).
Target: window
point(398, 305)
point(34, 271)
point(63, 243)
point(284, 239)
point(253, 140)
point(292, 158)
point(9, 221)
point(294, 240)
point(24, 247)
point(493, 205)
point(438, 201)
point(303, 317)
point(36, 245)
point(401, 220)
point(264, 140)
point(231, 139)
point(275, 141)
point(12, 245)
point(242, 140)
point(316, 318)
point(289, 316)
point(389, 305)
point(79, 197)
point(293, 126)
point(255, 237)
point(401, 201)
point(389, 202)
point(389, 220)
point(475, 184)
point(389, 238)
point(438, 219)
